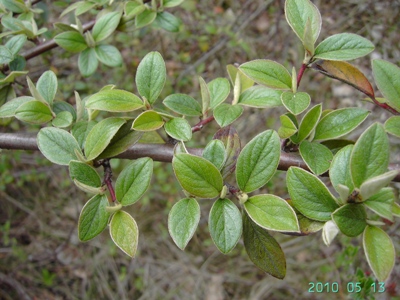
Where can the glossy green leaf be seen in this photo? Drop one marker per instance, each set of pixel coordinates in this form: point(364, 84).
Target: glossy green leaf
point(219, 90)
point(268, 73)
point(179, 129)
point(296, 103)
point(288, 128)
point(151, 75)
point(100, 136)
point(93, 218)
point(183, 220)
point(339, 122)
point(382, 203)
point(80, 131)
point(145, 18)
point(215, 153)
point(316, 156)
point(114, 101)
point(392, 126)
point(258, 161)
point(168, 21)
point(57, 145)
point(15, 43)
point(225, 224)
point(124, 232)
point(108, 55)
point(351, 219)
point(309, 195)
point(197, 175)
point(380, 252)
point(226, 114)
point(230, 138)
point(260, 96)
point(134, 181)
point(84, 173)
point(343, 46)
point(105, 26)
point(183, 104)
point(122, 140)
point(88, 62)
point(298, 13)
point(63, 119)
point(148, 121)
point(370, 156)
point(308, 123)
point(71, 41)
point(373, 185)
point(34, 112)
point(262, 249)
point(9, 108)
point(339, 172)
point(272, 212)
point(386, 77)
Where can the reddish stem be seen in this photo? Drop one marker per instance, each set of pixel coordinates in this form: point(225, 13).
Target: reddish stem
point(300, 74)
point(200, 125)
point(108, 179)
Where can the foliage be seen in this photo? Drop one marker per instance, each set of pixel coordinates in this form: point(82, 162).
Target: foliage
point(105, 124)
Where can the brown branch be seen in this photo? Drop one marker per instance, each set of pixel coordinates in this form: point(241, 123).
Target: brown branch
point(158, 152)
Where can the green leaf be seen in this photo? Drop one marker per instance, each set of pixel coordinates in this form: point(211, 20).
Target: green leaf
point(339, 172)
point(387, 77)
point(245, 82)
point(225, 224)
point(339, 122)
point(373, 185)
point(226, 114)
point(16, 43)
point(150, 77)
point(308, 226)
point(148, 121)
point(351, 219)
point(183, 220)
point(382, 203)
point(108, 55)
point(47, 86)
point(329, 232)
point(84, 173)
point(93, 218)
point(392, 126)
point(114, 101)
point(183, 104)
point(134, 181)
point(309, 195)
point(105, 26)
point(71, 41)
point(379, 251)
point(16, 6)
point(296, 103)
point(316, 156)
point(272, 212)
point(205, 97)
point(100, 136)
point(260, 96)
point(258, 161)
point(343, 46)
point(370, 156)
point(34, 112)
point(81, 130)
point(268, 73)
point(124, 232)
point(219, 90)
point(168, 21)
point(288, 127)
point(145, 18)
point(179, 129)
point(63, 119)
point(122, 140)
point(133, 8)
point(5, 55)
point(298, 13)
point(172, 3)
point(88, 62)
point(215, 153)
point(262, 249)
point(57, 145)
point(308, 123)
point(62, 106)
point(8, 109)
point(197, 175)
point(230, 138)
point(396, 210)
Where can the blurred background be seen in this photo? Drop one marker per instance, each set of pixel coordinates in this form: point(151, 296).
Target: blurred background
point(40, 254)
